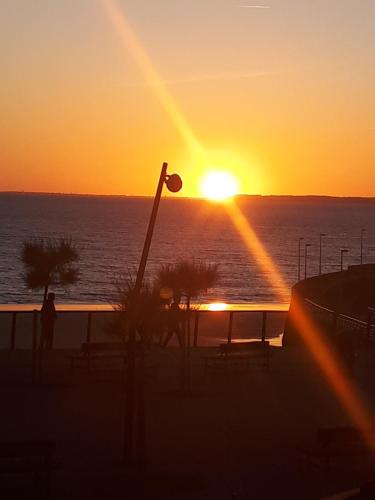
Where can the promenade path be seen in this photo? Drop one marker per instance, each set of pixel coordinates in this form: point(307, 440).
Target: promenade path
point(233, 437)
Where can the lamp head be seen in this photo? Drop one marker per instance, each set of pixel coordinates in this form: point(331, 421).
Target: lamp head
point(173, 182)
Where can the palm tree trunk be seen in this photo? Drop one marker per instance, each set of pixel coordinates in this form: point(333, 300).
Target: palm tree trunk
point(187, 344)
point(45, 292)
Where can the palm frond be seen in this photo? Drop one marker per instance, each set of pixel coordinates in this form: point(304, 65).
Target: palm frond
point(190, 278)
point(49, 261)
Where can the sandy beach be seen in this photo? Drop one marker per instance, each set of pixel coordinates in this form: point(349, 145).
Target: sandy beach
point(233, 436)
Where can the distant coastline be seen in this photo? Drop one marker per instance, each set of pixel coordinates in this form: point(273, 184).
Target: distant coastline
point(240, 197)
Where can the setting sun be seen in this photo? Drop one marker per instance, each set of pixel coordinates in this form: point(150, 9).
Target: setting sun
point(219, 185)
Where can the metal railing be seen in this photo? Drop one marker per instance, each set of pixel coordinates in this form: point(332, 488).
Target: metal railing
point(328, 320)
point(324, 317)
point(371, 325)
point(86, 330)
point(15, 314)
point(25, 335)
point(336, 324)
point(231, 314)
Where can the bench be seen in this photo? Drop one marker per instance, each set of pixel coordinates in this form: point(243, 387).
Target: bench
point(334, 443)
point(91, 351)
point(22, 460)
point(239, 354)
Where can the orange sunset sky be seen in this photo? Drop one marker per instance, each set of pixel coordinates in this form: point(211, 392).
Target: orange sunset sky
point(96, 94)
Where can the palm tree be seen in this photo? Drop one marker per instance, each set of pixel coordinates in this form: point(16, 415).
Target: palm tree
point(144, 312)
point(49, 261)
point(188, 278)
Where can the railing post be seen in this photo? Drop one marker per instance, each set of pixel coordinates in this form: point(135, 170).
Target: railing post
point(230, 327)
point(196, 328)
point(264, 325)
point(88, 331)
point(13, 331)
point(34, 345)
point(187, 342)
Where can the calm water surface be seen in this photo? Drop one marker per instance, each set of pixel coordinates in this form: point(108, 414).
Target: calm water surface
point(110, 232)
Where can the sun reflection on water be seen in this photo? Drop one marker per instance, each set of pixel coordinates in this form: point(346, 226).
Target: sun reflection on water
point(217, 306)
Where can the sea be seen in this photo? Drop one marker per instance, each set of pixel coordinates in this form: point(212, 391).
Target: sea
point(109, 233)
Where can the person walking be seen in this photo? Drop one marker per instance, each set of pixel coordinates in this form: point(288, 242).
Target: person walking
point(48, 317)
point(175, 322)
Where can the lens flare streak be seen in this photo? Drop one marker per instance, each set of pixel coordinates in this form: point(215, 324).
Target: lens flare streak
point(310, 332)
point(133, 46)
point(335, 373)
point(256, 248)
point(314, 339)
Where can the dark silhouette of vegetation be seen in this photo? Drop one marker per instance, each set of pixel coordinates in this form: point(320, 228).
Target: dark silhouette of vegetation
point(49, 261)
point(145, 312)
point(188, 278)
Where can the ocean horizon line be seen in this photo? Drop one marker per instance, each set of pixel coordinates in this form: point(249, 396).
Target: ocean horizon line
point(296, 197)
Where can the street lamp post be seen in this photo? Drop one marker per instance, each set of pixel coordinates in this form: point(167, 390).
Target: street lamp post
point(307, 245)
point(362, 234)
point(174, 184)
point(134, 418)
point(299, 258)
point(321, 236)
point(342, 252)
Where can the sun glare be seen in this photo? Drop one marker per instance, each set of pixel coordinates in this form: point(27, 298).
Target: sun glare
point(217, 306)
point(219, 186)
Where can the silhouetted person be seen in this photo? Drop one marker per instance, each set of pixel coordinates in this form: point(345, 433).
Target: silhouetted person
point(47, 319)
point(175, 322)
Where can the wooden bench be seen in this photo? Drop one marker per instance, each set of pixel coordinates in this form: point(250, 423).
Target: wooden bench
point(25, 459)
point(334, 443)
point(239, 354)
point(100, 351)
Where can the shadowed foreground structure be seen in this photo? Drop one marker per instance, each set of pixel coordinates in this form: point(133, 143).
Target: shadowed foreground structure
point(234, 436)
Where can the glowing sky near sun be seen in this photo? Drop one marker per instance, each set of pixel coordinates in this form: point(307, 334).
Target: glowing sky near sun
point(283, 97)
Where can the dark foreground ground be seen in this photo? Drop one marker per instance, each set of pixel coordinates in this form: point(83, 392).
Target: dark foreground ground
point(233, 437)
